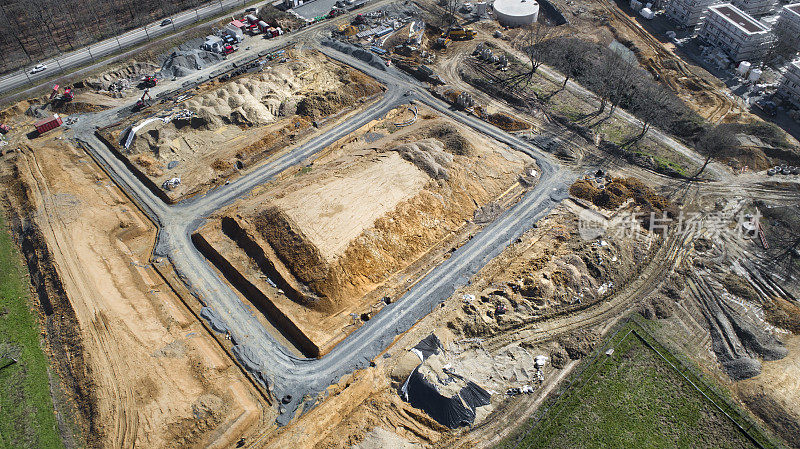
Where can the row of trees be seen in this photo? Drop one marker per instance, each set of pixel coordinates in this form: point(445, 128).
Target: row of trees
point(31, 30)
point(618, 81)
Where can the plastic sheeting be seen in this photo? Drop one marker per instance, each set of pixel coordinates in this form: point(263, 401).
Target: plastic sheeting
point(429, 345)
point(455, 411)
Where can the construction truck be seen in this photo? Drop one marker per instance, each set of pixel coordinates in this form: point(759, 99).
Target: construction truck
point(56, 97)
point(458, 33)
point(4, 129)
point(149, 81)
point(145, 102)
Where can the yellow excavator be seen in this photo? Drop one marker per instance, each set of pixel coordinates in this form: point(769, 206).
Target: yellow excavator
point(459, 33)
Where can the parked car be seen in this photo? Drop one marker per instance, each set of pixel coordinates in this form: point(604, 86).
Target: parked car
point(39, 68)
point(166, 22)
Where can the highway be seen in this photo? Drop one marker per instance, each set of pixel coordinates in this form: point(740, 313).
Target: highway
point(104, 48)
point(255, 348)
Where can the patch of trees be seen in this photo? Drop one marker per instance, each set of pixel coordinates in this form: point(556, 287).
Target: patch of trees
point(31, 30)
point(620, 82)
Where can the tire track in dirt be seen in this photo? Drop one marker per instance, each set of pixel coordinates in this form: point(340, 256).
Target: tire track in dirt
point(106, 364)
point(606, 313)
point(723, 104)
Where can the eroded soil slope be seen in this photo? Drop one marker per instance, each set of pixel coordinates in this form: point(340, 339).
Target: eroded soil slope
point(157, 377)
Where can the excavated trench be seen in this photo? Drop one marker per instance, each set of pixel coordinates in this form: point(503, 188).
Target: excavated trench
point(61, 330)
point(257, 298)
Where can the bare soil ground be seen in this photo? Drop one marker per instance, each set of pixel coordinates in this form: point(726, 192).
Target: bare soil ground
point(158, 379)
point(238, 123)
point(494, 350)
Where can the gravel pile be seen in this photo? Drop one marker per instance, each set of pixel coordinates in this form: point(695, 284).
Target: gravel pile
point(364, 55)
point(184, 62)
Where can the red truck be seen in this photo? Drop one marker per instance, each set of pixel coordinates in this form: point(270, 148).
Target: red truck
point(46, 124)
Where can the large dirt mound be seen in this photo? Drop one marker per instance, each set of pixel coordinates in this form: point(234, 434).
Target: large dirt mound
point(375, 213)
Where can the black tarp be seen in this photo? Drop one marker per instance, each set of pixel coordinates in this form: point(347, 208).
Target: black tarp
point(455, 411)
point(427, 346)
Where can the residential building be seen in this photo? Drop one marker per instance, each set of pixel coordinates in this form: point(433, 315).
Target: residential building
point(688, 13)
point(736, 33)
point(787, 28)
point(789, 87)
point(756, 8)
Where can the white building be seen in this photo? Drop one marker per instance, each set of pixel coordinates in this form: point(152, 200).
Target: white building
point(516, 13)
point(688, 13)
point(789, 88)
point(787, 28)
point(756, 7)
point(737, 34)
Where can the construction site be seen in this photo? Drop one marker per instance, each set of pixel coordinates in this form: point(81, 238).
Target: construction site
point(426, 224)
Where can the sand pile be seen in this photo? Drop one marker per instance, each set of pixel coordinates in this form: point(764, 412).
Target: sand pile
point(375, 215)
point(306, 89)
point(249, 101)
point(185, 62)
point(428, 155)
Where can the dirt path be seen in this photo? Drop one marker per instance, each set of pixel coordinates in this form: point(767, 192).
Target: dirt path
point(159, 377)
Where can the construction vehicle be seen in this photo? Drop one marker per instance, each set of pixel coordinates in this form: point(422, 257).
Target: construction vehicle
point(54, 93)
point(149, 81)
point(458, 33)
point(4, 129)
point(442, 42)
point(56, 97)
point(767, 106)
point(145, 102)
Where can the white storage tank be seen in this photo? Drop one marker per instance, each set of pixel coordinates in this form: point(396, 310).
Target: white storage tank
point(516, 13)
point(647, 13)
point(755, 75)
point(743, 68)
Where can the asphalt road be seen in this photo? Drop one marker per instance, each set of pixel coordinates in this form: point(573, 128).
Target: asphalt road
point(255, 348)
point(101, 49)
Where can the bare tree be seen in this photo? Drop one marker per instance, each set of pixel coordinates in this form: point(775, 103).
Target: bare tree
point(570, 59)
point(614, 80)
point(450, 9)
point(648, 104)
point(714, 143)
point(535, 37)
point(785, 43)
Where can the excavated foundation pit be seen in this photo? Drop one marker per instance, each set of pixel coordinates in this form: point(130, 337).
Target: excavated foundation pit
point(324, 247)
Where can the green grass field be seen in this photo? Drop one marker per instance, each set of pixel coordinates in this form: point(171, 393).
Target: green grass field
point(27, 419)
point(633, 399)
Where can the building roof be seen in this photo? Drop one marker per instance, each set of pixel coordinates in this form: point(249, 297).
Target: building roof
point(794, 8)
point(237, 23)
point(739, 18)
point(516, 8)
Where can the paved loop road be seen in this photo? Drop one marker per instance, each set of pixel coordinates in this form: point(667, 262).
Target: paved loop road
point(267, 359)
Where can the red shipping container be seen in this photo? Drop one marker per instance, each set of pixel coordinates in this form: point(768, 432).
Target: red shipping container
point(44, 125)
